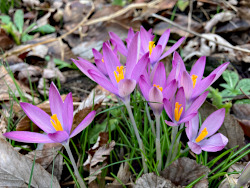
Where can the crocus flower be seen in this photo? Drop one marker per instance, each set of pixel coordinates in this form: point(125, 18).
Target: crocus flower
point(204, 138)
point(121, 80)
point(57, 127)
point(147, 44)
point(193, 83)
point(177, 110)
point(158, 89)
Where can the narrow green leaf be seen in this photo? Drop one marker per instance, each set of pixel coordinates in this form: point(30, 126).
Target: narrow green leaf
point(19, 20)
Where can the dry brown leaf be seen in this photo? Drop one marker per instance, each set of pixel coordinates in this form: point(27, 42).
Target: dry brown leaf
point(15, 169)
point(123, 175)
point(220, 17)
point(185, 170)
point(151, 180)
point(45, 157)
point(230, 128)
point(97, 155)
point(5, 42)
point(7, 85)
point(242, 112)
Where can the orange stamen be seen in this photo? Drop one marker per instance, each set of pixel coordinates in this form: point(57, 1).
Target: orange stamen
point(120, 74)
point(177, 111)
point(151, 46)
point(194, 77)
point(160, 88)
point(56, 123)
point(202, 135)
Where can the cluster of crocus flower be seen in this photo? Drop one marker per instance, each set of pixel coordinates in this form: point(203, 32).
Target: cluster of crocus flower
point(181, 93)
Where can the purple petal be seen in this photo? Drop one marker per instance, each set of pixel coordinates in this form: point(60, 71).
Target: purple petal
point(187, 118)
point(133, 55)
point(170, 123)
point(103, 81)
point(198, 68)
point(126, 87)
point(111, 62)
point(172, 76)
point(197, 103)
point(68, 113)
point(160, 75)
point(202, 86)
point(145, 39)
point(168, 108)
point(55, 101)
point(101, 66)
point(28, 137)
point(192, 128)
point(164, 39)
point(180, 97)
point(173, 48)
point(187, 84)
point(155, 55)
point(38, 116)
point(144, 86)
point(155, 96)
point(177, 60)
point(140, 67)
point(169, 91)
point(194, 147)
point(116, 41)
point(215, 143)
point(87, 120)
point(84, 66)
point(59, 136)
point(97, 54)
point(218, 71)
point(130, 36)
point(213, 122)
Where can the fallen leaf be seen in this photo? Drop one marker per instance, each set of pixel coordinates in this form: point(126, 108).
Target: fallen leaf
point(123, 175)
point(242, 113)
point(220, 17)
point(38, 51)
point(98, 155)
point(151, 180)
point(230, 128)
point(5, 42)
point(45, 157)
point(184, 171)
point(234, 26)
point(15, 169)
point(7, 85)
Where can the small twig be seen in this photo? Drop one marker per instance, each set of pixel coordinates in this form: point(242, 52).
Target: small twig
point(244, 93)
point(190, 15)
point(197, 34)
point(85, 21)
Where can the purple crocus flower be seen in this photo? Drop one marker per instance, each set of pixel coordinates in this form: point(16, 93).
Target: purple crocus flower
point(147, 44)
point(205, 138)
point(177, 110)
point(158, 89)
point(193, 83)
point(57, 127)
point(121, 80)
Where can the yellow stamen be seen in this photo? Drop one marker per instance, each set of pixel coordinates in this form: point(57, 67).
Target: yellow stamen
point(56, 123)
point(202, 135)
point(194, 77)
point(160, 88)
point(177, 111)
point(120, 74)
point(151, 46)
point(102, 60)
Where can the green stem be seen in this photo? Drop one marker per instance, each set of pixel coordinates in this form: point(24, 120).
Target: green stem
point(127, 104)
point(149, 119)
point(174, 133)
point(79, 179)
point(157, 142)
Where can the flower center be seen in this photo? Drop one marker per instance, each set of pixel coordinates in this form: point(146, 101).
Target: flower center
point(151, 46)
point(120, 73)
point(177, 111)
point(194, 77)
point(202, 135)
point(160, 88)
point(56, 123)
point(102, 60)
